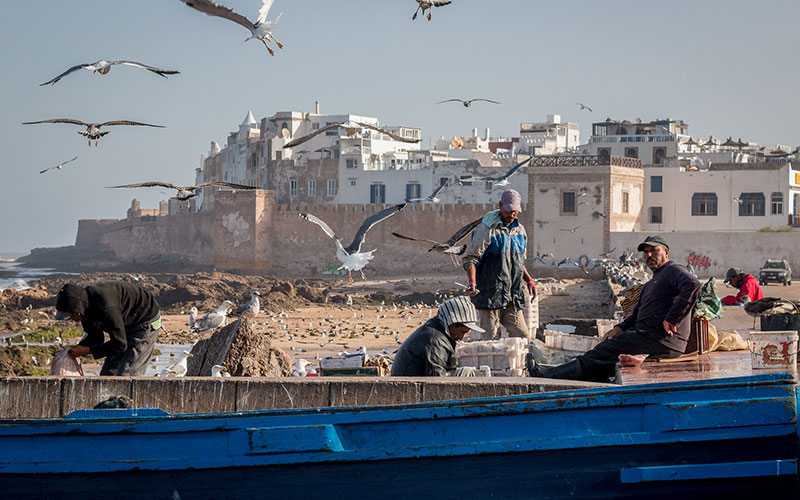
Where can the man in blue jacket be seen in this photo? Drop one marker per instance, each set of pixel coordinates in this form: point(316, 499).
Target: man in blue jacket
point(659, 326)
point(495, 266)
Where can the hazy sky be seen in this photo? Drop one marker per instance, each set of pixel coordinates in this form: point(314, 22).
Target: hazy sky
point(728, 68)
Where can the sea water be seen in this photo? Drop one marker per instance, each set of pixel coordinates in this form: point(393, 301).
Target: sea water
point(12, 275)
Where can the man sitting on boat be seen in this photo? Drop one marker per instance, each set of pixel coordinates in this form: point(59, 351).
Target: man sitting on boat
point(658, 327)
point(126, 311)
point(430, 350)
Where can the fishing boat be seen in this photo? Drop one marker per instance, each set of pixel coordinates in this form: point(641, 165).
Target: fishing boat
point(721, 437)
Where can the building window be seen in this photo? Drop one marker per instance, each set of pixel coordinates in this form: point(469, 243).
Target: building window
point(377, 193)
point(443, 181)
point(352, 182)
point(466, 183)
point(568, 202)
point(312, 187)
point(658, 155)
point(656, 184)
point(352, 163)
point(777, 203)
point(293, 188)
point(625, 201)
point(704, 204)
point(412, 190)
point(604, 155)
point(332, 187)
point(656, 215)
point(315, 126)
point(751, 204)
point(631, 152)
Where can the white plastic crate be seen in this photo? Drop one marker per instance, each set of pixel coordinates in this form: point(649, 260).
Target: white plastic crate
point(505, 357)
point(569, 342)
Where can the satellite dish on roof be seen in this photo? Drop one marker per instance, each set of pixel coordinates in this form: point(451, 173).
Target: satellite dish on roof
point(285, 133)
point(454, 143)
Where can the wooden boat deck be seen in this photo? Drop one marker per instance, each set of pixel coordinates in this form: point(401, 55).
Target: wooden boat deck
point(706, 366)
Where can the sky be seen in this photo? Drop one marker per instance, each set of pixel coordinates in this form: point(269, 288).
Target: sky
point(726, 67)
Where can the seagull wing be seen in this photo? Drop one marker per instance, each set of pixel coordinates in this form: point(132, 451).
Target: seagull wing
point(224, 184)
point(59, 120)
point(485, 100)
point(402, 237)
point(463, 232)
point(361, 234)
point(439, 3)
point(439, 189)
point(321, 223)
point(149, 184)
point(69, 161)
point(310, 136)
point(62, 75)
point(212, 9)
point(515, 168)
point(451, 100)
point(127, 122)
point(393, 136)
point(160, 72)
point(264, 11)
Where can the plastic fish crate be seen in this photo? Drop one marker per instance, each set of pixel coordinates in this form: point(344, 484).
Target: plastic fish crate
point(505, 357)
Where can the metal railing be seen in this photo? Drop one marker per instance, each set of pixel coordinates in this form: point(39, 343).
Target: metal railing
point(585, 161)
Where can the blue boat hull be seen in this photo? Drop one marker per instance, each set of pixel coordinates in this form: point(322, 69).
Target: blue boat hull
point(732, 435)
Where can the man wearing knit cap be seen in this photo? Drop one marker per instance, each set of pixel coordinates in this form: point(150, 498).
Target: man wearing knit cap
point(126, 311)
point(430, 350)
point(495, 266)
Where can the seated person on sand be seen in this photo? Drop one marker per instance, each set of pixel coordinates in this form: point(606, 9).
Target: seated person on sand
point(430, 350)
point(749, 289)
point(658, 327)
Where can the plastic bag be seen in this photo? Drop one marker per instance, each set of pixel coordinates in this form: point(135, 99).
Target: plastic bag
point(708, 305)
point(64, 365)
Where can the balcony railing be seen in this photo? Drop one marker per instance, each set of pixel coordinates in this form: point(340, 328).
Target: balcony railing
point(585, 161)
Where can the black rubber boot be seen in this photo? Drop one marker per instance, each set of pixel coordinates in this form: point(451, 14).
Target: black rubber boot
point(530, 364)
point(567, 371)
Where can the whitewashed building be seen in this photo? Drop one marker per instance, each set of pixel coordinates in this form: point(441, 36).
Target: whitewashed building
point(724, 197)
point(651, 142)
point(550, 137)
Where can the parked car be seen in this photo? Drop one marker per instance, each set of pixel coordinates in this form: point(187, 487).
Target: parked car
point(777, 271)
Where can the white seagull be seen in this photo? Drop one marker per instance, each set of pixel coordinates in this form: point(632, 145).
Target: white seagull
point(351, 257)
point(180, 368)
point(300, 368)
point(429, 4)
point(184, 192)
point(501, 181)
point(252, 308)
point(59, 166)
point(583, 106)
point(468, 102)
point(92, 129)
point(214, 319)
point(102, 66)
point(351, 129)
point(192, 317)
point(260, 30)
point(432, 197)
point(448, 247)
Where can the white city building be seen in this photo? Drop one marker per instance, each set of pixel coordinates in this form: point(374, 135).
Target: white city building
point(550, 137)
point(725, 197)
point(651, 142)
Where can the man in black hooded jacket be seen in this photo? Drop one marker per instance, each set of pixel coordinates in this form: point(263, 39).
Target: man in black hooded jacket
point(126, 311)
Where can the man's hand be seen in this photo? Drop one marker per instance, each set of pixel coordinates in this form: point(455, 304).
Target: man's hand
point(78, 351)
point(532, 288)
point(612, 333)
point(670, 328)
point(471, 290)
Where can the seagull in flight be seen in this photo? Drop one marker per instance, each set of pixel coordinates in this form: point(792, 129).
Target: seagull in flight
point(92, 129)
point(429, 4)
point(102, 66)
point(571, 230)
point(501, 181)
point(185, 192)
point(59, 166)
point(448, 247)
point(432, 197)
point(260, 30)
point(467, 103)
point(583, 106)
point(351, 128)
point(351, 257)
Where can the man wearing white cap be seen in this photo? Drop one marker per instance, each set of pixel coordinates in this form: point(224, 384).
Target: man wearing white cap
point(495, 266)
point(430, 351)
